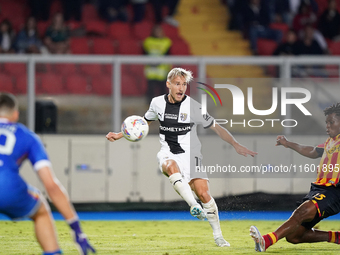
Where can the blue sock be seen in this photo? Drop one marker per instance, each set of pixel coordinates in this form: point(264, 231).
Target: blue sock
point(53, 252)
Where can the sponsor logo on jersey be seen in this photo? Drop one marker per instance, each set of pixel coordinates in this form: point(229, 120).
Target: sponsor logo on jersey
point(175, 129)
point(171, 116)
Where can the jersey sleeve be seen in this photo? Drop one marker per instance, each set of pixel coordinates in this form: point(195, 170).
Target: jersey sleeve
point(206, 120)
point(320, 149)
point(151, 114)
point(37, 154)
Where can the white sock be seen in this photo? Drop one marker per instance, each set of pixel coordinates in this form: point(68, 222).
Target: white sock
point(182, 188)
point(211, 211)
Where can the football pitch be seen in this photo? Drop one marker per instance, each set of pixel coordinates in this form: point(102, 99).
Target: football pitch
point(164, 237)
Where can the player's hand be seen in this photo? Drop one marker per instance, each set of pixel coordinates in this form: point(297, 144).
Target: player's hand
point(80, 239)
point(244, 151)
point(281, 140)
point(113, 136)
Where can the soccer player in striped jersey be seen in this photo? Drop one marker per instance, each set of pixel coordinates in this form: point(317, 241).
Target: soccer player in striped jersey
point(323, 199)
point(20, 200)
point(179, 116)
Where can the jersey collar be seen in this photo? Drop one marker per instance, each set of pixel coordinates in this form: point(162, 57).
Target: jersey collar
point(4, 120)
point(337, 137)
point(167, 99)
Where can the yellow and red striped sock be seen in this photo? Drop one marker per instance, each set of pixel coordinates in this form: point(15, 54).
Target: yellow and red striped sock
point(333, 237)
point(270, 239)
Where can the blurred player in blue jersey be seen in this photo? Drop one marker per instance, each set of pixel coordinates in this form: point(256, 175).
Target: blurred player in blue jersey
point(17, 198)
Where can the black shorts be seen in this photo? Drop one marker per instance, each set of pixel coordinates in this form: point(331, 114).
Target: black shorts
point(326, 200)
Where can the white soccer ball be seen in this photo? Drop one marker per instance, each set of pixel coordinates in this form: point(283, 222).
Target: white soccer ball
point(135, 128)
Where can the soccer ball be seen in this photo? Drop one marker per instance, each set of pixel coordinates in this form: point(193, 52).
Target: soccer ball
point(135, 128)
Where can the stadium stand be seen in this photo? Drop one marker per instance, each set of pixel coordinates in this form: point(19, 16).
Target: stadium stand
point(80, 45)
point(120, 30)
point(7, 83)
point(129, 47)
point(77, 84)
point(102, 85)
point(103, 46)
point(93, 35)
point(50, 83)
point(21, 84)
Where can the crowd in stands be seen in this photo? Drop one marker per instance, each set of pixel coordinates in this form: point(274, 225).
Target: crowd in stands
point(132, 27)
point(78, 26)
point(288, 27)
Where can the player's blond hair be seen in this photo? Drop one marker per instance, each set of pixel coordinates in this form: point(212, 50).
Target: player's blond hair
point(177, 71)
point(8, 104)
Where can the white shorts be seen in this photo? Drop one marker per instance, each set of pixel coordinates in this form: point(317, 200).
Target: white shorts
point(183, 162)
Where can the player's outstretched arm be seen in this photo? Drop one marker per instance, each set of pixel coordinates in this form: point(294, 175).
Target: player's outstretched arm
point(60, 199)
point(305, 150)
point(114, 136)
point(225, 135)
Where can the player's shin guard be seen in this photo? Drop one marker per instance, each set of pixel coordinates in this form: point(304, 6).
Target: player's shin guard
point(334, 237)
point(182, 188)
point(211, 211)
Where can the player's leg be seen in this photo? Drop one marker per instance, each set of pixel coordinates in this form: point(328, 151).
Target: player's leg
point(201, 189)
point(45, 230)
point(171, 170)
point(303, 235)
point(291, 228)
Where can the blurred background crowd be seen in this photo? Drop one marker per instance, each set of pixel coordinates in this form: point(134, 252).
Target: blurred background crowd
point(279, 27)
point(156, 28)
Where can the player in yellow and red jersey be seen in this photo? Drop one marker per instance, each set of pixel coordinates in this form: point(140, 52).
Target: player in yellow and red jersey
point(322, 201)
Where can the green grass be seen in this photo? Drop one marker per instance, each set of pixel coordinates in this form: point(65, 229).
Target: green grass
point(159, 237)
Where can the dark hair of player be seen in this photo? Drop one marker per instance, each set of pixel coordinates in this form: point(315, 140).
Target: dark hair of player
point(335, 108)
point(8, 102)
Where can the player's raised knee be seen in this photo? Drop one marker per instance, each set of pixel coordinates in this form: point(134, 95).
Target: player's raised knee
point(170, 167)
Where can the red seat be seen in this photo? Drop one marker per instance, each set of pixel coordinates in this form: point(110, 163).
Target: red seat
point(15, 68)
point(129, 87)
point(179, 47)
point(103, 46)
point(129, 47)
point(77, 84)
point(137, 70)
point(266, 47)
point(55, 8)
point(142, 30)
point(96, 27)
point(21, 84)
point(170, 31)
point(283, 27)
point(73, 24)
point(89, 12)
point(102, 85)
point(91, 69)
point(119, 30)
point(79, 45)
point(334, 48)
point(107, 69)
point(6, 83)
point(10, 9)
point(43, 68)
point(18, 22)
point(65, 68)
point(42, 27)
point(51, 84)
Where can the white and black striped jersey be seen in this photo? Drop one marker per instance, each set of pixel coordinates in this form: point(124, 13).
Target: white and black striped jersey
point(178, 123)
